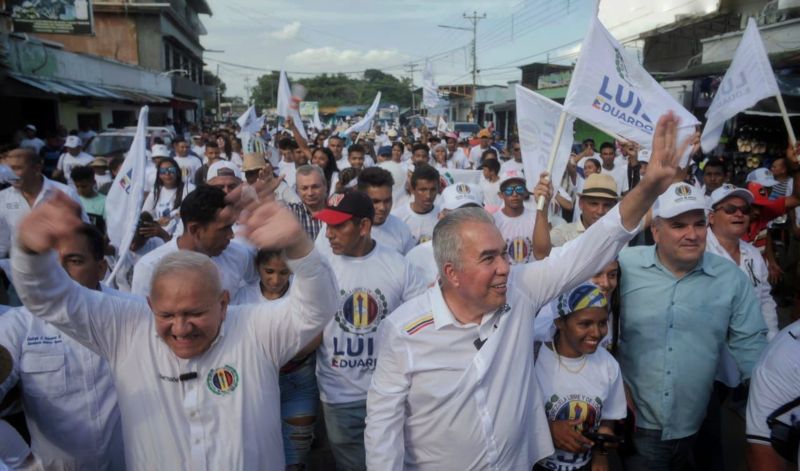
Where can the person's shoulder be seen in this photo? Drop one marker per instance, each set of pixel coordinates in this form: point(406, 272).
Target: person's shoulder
point(630, 254)
point(412, 314)
point(152, 257)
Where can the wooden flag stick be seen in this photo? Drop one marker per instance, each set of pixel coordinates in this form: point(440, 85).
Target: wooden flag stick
point(562, 121)
point(785, 115)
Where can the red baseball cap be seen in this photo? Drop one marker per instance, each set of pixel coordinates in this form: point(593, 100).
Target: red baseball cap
point(343, 207)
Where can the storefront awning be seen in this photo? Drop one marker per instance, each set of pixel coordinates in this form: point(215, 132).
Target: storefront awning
point(58, 86)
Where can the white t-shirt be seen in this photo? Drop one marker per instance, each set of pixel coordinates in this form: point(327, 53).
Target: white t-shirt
point(288, 171)
point(421, 225)
point(511, 165)
point(36, 144)
point(775, 382)
point(164, 206)
point(593, 395)
point(620, 175)
point(395, 234)
point(189, 166)
point(422, 258)
point(371, 288)
point(491, 197)
point(235, 264)
point(518, 234)
point(476, 152)
point(460, 159)
point(68, 161)
point(251, 294)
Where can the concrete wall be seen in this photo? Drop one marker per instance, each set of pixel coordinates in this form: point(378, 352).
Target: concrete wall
point(779, 37)
point(68, 112)
point(115, 38)
point(150, 42)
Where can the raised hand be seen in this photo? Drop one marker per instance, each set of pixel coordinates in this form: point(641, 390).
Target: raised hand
point(543, 188)
point(666, 154)
point(56, 217)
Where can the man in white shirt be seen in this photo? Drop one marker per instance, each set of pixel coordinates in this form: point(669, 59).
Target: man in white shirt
point(336, 145)
point(30, 189)
point(599, 195)
point(518, 224)
point(515, 163)
point(610, 166)
point(197, 388)
point(188, 163)
point(459, 158)
point(373, 281)
point(387, 229)
point(455, 387)
point(476, 152)
point(422, 213)
point(73, 157)
point(68, 394)
point(31, 141)
point(207, 229)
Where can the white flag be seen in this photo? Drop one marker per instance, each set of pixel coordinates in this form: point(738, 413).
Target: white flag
point(365, 123)
point(126, 195)
point(317, 123)
point(537, 120)
point(288, 108)
point(430, 92)
point(749, 79)
point(442, 127)
point(249, 125)
point(611, 90)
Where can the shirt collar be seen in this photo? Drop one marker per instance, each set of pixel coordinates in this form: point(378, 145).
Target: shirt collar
point(649, 259)
point(442, 316)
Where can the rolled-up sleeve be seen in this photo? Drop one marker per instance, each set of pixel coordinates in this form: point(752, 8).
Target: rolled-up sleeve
point(313, 300)
point(384, 437)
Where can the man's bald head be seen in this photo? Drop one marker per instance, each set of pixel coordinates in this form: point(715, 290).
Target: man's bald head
point(184, 262)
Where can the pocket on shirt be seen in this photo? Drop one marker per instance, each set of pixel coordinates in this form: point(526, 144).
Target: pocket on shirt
point(43, 375)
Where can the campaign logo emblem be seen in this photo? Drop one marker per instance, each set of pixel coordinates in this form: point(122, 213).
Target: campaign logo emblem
point(362, 310)
point(731, 88)
point(463, 189)
point(222, 380)
point(576, 407)
point(335, 199)
point(127, 181)
point(518, 250)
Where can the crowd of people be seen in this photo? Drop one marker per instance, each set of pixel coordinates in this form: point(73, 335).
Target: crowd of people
point(397, 296)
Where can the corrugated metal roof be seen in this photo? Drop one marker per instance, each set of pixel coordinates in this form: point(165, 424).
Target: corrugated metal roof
point(83, 89)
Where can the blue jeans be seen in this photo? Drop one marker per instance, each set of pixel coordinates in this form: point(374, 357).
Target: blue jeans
point(345, 425)
point(655, 454)
point(299, 397)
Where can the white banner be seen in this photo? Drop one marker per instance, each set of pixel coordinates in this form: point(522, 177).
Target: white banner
point(749, 79)
point(537, 121)
point(126, 196)
point(430, 92)
point(287, 107)
point(365, 123)
point(453, 175)
point(611, 90)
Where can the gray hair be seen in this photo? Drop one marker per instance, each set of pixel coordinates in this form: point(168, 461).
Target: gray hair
point(184, 261)
point(308, 170)
point(447, 242)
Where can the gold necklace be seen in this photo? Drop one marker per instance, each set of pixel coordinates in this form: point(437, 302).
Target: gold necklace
point(561, 364)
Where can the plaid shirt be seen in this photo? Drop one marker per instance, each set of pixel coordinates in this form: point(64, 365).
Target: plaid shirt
point(310, 225)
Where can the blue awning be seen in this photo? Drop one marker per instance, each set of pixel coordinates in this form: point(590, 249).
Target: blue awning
point(59, 86)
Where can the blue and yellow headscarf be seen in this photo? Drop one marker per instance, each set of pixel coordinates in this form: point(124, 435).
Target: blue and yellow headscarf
point(581, 297)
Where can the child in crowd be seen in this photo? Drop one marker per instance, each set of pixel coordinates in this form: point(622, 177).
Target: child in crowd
point(93, 202)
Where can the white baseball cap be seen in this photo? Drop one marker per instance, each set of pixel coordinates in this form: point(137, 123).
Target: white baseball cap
point(459, 195)
point(762, 176)
point(511, 175)
point(31, 127)
point(72, 142)
point(727, 190)
point(159, 150)
point(223, 168)
point(678, 199)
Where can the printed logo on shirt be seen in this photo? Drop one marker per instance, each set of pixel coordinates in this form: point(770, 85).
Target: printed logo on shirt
point(418, 324)
point(222, 380)
point(43, 340)
point(575, 407)
point(518, 250)
point(12, 206)
point(362, 311)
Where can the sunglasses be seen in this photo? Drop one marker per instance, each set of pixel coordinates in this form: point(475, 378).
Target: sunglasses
point(731, 209)
point(167, 171)
point(518, 189)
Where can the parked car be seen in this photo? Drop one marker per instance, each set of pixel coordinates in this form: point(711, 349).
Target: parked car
point(115, 141)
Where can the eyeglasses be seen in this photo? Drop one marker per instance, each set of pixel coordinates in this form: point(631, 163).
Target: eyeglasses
point(168, 170)
point(518, 189)
point(731, 209)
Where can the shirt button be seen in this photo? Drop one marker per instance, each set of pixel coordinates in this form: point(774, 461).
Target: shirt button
point(666, 394)
point(193, 413)
point(670, 326)
point(669, 372)
point(196, 441)
point(670, 349)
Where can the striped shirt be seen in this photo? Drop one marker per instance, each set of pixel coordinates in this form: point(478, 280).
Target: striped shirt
point(310, 225)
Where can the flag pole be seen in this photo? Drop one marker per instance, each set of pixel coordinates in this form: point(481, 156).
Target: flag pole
point(785, 115)
point(562, 121)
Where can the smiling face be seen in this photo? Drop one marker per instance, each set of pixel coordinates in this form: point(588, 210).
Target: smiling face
point(733, 225)
point(681, 240)
point(607, 279)
point(189, 309)
point(580, 332)
point(481, 276)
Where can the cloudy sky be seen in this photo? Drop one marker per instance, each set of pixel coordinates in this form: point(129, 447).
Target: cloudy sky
point(314, 36)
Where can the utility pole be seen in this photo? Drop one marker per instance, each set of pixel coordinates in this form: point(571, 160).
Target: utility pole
point(411, 67)
point(219, 105)
point(474, 18)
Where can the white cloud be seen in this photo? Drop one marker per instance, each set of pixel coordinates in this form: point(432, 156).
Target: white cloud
point(287, 32)
point(331, 59)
